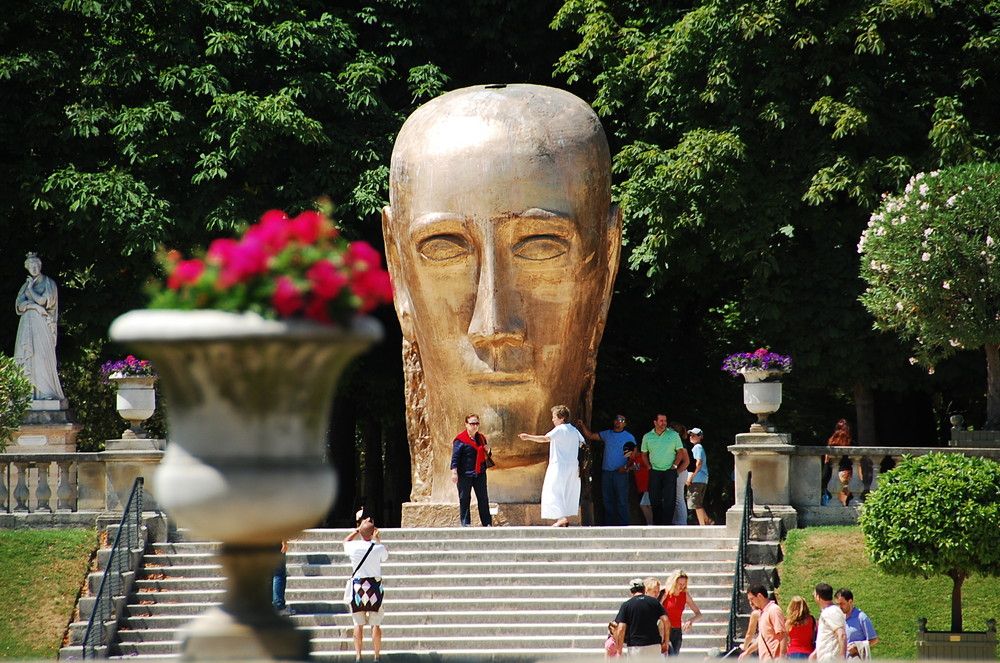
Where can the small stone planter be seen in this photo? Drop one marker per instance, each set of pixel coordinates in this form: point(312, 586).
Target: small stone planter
point(762, 396)
point(136, 403)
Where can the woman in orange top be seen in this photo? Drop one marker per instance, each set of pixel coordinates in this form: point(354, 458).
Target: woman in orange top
point(801, 628)
point(675, 598)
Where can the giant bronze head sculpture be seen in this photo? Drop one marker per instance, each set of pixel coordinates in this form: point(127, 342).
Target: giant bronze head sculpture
point(503, 245)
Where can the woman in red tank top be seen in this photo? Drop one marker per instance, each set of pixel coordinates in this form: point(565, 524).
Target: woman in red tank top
point(801, 628)
point(675, 598)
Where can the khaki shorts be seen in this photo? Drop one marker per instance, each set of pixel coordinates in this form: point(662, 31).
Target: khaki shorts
point(371, 618)
point(696, 495)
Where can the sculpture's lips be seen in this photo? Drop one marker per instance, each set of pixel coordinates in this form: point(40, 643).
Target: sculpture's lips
point(499, 378)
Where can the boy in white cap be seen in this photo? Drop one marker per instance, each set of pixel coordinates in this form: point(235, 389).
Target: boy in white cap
point(697, 481)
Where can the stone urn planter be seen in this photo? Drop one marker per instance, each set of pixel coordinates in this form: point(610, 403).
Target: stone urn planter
point(136, 402)
point(762, 396)
point(249, 411)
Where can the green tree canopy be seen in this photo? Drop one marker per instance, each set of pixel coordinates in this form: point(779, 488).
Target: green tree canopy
point(929, 255)
point(754, 137)
point(936, 514)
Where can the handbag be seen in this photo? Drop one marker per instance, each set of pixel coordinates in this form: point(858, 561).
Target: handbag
point(349, 589)
point(489, 460)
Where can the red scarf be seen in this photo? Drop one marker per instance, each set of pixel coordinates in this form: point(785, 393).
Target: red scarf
point(464, 438)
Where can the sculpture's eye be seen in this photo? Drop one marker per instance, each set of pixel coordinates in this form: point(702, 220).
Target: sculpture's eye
point(443, 247)
point(541, 247)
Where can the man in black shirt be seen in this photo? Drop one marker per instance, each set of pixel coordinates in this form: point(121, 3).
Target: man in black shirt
point(642, 621)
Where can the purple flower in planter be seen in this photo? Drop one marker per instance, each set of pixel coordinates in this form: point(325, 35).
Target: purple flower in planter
point(761, 360)
point(129, 367)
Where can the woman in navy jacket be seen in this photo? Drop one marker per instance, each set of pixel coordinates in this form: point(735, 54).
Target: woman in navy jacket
point(468, 471)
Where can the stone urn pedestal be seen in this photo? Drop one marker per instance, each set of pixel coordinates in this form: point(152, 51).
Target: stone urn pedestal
point(249, 409)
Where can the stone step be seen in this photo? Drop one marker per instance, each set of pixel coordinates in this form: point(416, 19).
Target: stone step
point(307, 576)
point(322, 625)
point(540, 644)
point(581, 566)
point(643, 543)
point(596, 555)
point(498, 533)
point(473, 600)
point(446, 592)
point(428, 631)
point(310, 613)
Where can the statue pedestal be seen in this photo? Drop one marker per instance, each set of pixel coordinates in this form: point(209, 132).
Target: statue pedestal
point(48, 428)
point(437, 514)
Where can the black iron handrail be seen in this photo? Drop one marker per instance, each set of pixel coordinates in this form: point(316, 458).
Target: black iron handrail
point(739, 575)
point(119, 562)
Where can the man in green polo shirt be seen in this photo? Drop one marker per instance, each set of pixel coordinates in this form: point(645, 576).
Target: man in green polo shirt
point(660, 447)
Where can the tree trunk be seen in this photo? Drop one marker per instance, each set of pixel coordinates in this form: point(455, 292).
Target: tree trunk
point(993, 387)
point(956, 601)
point(864, 408)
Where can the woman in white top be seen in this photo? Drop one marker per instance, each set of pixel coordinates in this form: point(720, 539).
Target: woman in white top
point(561, 488)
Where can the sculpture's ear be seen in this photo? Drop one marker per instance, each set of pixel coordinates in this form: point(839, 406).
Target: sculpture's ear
point(400, 291)
point(613, 228)
point(614, 243)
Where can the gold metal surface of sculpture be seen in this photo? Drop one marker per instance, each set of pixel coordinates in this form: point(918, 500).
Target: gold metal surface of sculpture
point(503, 245)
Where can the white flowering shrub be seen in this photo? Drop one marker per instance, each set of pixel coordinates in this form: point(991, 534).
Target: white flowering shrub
point(929, 256)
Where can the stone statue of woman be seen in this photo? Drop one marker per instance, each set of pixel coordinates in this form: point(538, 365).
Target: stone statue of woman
point(35, 349)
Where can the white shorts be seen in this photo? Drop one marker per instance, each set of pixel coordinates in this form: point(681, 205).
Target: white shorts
point(372, 618)
point(648, 651)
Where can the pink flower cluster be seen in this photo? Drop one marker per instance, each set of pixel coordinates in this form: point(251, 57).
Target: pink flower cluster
point(297, 267)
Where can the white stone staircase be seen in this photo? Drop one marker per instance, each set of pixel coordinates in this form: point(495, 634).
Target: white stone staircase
point(505, 593)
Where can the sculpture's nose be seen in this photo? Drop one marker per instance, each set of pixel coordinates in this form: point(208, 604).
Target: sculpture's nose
point(497, 320)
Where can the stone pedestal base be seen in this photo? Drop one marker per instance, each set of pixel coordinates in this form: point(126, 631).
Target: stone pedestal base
point(760, 520)
point(135, 444)
point(436, 514)
point(45, 438)
point(246, 626)
point(121, 467)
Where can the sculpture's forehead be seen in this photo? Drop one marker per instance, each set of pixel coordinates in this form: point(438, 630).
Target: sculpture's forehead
point(501, 150)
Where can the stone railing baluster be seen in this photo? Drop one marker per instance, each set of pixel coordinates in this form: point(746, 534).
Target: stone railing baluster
point(66, 491)
point(4, 487)
point(21, 492)
point(43, 491)
point(856, 485)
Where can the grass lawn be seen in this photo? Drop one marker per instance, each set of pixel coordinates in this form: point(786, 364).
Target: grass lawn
point(41, 573)
point(836, 555)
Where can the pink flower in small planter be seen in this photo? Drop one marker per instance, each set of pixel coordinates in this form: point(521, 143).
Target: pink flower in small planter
point(281, 267)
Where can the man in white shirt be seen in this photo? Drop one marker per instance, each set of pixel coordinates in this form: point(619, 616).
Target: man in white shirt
point(365, 584)
point(831, 632)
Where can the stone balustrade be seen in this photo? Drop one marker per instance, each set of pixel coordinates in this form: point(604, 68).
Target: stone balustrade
point(71, 489)
point(789, 481)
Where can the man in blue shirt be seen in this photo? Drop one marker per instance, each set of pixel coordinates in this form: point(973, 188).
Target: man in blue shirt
point(614, 477)
point(860, 630)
